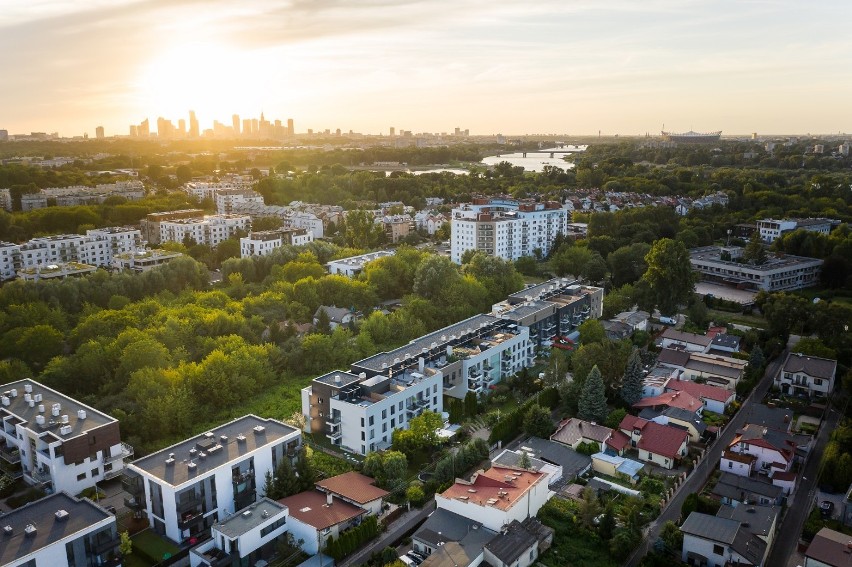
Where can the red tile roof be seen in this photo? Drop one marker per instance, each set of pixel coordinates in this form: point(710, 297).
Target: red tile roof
point(682, 400)
point(618, 441)
point(631, 422)
point(311, 508)
point(499, 487)
point(353, 486)
point(701, 391)
point(662, 439)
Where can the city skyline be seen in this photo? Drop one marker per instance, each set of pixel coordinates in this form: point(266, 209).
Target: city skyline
point(619, 67)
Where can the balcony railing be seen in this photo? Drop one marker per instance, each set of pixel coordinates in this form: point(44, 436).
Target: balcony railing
point(335, 435)
point(188, 503)
point(104, 543)
point(125, 453)
point(190, 519)
point(132, 503)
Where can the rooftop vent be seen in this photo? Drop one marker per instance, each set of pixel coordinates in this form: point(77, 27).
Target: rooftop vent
point(258, 429)
point(209, 434)
point(65, 430)
point(170, 461)
point(65, 418)
point(247, 513)
point(28, 388)
point(28, 397)
point(7, 530)
point(37, 397)
point(6, 401)
point(202, 455)
point(61, 515)
point(223, 438)
point(81, 414)
point(241, 438)
point(30, 530)
point(191, 466)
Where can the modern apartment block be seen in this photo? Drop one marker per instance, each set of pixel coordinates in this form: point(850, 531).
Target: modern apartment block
point(151, 223)
point(360, 409)
point(187, 488)
point(506, 228)
point(772, 229)
point(353, 265)
point(209, 189)
point(264, 242)
point(59, 530)
point(59, 443)
point(10, 260)
point(776, 274)
point(208, 230)
point(227, 199)
point(554, 308)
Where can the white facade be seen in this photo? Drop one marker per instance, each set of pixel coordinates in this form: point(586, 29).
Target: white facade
point(772, 229)
point(96, 248)
point(227, 200)
point(735, 465)
point(10, 260)
point(811, 375)
point(187, 488)
point(353, 265)
point(209, 189)
point(210, 230)
point(263, 243)
point(61, 444)
point(717, 554)
point(143, 260)
point(506, 228)
point(777, 274)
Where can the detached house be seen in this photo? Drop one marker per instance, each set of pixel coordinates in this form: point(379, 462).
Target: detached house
point(715, 399)
point(764, 450)
point(662, 445)
point(740, 536)
point(680, 340)
point(809, 375)
point(573, 432)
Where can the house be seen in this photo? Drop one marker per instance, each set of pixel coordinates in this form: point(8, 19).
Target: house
point(615, 466)
point(662, 445)
point(806, 375)
point(337, 316)
point(725, 343)
point(637, 320)
point(716, 370)
point(740, 464)
point(654, 382)
point(780, 419)
point(497, 496)
point(573, 432)
point(512, 459)
point(245, 538)
point(443, 528)
point(690, 342)
point(829, 549)
point(673, 399)
point(616, 330)
point(774, 450)
point(680, 418)
point(58, 530)
point(452, 554)
point(355, 488)
point(519, 545)
point(715, 399)
point(733, 490)
point(187, 488)
point(572, 463)
point(739, 538)
point(353, 265)
point(59, 443)
point(316, 516)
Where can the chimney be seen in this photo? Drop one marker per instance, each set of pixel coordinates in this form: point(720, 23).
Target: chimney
point(329, 499)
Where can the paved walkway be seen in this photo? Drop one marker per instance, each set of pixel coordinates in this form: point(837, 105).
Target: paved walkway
point(699, 476)
point(394, 533)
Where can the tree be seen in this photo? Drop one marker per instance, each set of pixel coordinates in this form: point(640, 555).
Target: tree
point(524, 460)
point(591, 331)
point(615, 417)
point(283, 483)
point(414, 493)
point(754, 252)
point(125, 548)
point(607, 525)
point(814, 347)
point(323, 323)
point(557, 368)
point(590, 507)
point(304, 470)
point(672, 537)
point(592, 404)
point(537, 422)
point(471, 404)
point(755, 359)
point(631, 386)
point(669, 276)
point(434, 276)
point(627, 264)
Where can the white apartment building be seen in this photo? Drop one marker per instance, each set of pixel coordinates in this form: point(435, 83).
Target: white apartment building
point(102, 244)
point(143, 260)
point(187, 488)
point(353, 265)
point(809, 375)
point(506, 228)
point(292, 217)
point(59, 443)
point(264, 242)
point(719, 265)
point(208, 230)
point(770, 230)
point(248, 536)
point(60, 531)
point(209, 189)
point(228, 199)
point(10, 260)
point(96, 248)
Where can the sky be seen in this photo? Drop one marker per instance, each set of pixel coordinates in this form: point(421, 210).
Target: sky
point(490, 66)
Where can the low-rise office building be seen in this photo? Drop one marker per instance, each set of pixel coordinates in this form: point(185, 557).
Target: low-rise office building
point(353, 265)
point(187, 488)
point(59, 530)
point(60, 443)
point(778, 273)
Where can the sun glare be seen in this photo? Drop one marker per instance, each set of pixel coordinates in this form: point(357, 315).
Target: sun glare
point(214, 80)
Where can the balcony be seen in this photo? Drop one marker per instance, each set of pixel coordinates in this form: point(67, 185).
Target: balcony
point(188, 503)
point(125, 453)
point(422, 403)
point(114, 473)
point(474, 386)
point(104, 542)
point(41, 476)
point(132, 503)
point(335, 435)
point(10, 455)
point(190, 519)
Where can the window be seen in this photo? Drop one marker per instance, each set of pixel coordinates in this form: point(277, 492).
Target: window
point(81, 476)
point(718, 550)
point(817, 381)
point(362, 422)
point(372, 420)
point(393, 423)
point(730, 464)
point(384, 414)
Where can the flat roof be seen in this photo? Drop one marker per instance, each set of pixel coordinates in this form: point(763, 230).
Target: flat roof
point(714, 254)
point(256, 432)
point(19, 407)
point(572, 462)
point(250, 517)
point(82, 514)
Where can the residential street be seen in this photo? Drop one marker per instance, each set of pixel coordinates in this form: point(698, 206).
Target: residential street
point(394, 533)
point(711, 460)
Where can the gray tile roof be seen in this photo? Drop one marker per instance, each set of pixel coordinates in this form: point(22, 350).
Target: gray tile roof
point(572, 462)
point(711, 527)
point(811, 365)
point(759, 520)
point(733, 486)
point(508, 546)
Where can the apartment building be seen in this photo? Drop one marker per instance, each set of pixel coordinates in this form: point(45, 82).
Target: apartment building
point(10, 260)
point(555, 308)
point(151, 223)
point(770, 230)
point(96, 248)
point(143, 260)
point(291, 216)
point(506, 228)
point(808, 375)
point(262, 243)
point(60, 443)
point(61, 531)
point(187, 488)
point(209, 189)
point(209, 230)
point(360, 409)
point(228, 199)
point(719, 265)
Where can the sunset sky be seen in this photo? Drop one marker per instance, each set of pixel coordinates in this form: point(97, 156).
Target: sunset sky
point(562, 66)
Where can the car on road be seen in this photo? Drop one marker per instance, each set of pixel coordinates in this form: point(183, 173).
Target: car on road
point(826, 508)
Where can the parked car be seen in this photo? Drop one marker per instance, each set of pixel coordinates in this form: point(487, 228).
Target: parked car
point(668, 320)
point(408, 560)
point(826, 507)
point(414, 558)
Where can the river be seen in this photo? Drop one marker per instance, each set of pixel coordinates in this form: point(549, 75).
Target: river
point(535, 161)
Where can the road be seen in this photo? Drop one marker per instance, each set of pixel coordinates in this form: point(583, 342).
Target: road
point(394, 533)
point(699, 476)
point(797, 512)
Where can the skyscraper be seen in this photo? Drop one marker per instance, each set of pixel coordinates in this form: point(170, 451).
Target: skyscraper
point(193, 125)
point(144, 129)
point(181, 127)
point(235, 121)
point(246, 126)
point(290, 129)
point(99, 132)
point(392, 131)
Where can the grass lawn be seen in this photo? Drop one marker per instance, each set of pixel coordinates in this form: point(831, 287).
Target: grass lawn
point(135, 560)
point(149, 544)
point(826, 295)
point(739, 318)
